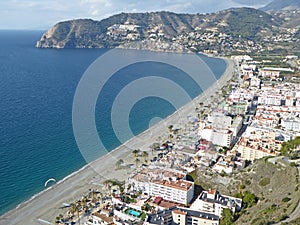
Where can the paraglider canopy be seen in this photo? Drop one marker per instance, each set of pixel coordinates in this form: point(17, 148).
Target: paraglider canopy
point(49, 180)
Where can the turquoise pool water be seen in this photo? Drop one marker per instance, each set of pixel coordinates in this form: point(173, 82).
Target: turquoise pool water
point(134, 213)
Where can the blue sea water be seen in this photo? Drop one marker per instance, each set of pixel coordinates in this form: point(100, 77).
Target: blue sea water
point(37, 88)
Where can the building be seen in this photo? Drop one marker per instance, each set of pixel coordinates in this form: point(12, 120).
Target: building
point(270, 100)
point(182, 216)
point(255, 82)
point(268, 73)
point(258, 143)
point(291, 123)
point(98, 218)
point(219, 120)
point(180, 191)
point(217, 137)
point(236, 125)
point(213, 202)
point(167, 184)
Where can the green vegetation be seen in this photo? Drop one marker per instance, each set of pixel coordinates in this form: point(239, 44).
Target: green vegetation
point(264, 182)
point(289, 148)
point(143, 216)
point(249, 199)
point(128, 200)
point(227, 217)
point(286, 199)
point(247, 23)
point(270, 209)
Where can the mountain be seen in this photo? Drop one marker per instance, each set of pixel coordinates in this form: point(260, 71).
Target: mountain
point(132, 29)
point(276, 5)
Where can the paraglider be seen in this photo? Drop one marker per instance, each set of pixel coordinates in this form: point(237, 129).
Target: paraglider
point(49, 180)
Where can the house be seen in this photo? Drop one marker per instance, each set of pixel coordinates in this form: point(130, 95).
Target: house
point(273, 74)
point(98, 218)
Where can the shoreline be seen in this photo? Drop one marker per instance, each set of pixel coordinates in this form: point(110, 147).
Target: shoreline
point(45, 204)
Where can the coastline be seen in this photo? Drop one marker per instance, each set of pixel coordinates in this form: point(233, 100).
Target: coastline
point(46, 204)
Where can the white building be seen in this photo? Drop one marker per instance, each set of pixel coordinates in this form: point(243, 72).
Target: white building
point(212, 202)
point(219, 120)
point(100, 219)
point(255, 82)
point(236, 125)
point(291, 123)
point(170, 185)
point(270, 100)
point(258, 143)
point(179, 191)
point(217, 137)
point(182, 216)
point(267, 73)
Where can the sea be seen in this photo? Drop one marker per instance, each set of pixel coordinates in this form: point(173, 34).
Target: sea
point(37, 88)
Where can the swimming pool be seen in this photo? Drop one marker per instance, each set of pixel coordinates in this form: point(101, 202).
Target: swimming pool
point(134, 213)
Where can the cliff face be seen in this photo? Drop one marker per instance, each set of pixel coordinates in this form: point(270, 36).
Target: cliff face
point(71, 34)
point(125, 29)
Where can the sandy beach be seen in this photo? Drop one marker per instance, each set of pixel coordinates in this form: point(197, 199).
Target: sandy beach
point(46, 205)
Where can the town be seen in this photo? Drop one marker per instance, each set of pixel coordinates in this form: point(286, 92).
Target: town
point(253, 120)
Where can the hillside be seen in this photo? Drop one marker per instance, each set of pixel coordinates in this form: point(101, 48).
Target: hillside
point(128, 28)
point(276, 5)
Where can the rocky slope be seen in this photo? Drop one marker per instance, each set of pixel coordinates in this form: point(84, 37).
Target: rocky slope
point(276, 5)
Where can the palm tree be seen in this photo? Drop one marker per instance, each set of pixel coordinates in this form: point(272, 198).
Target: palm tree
point(145, 155)
point(107, 183)
point(73, 209)
point(93, 196)
point(154, 146)
point(137, 161)
point(119, 163)
point(83, 201)
point(77, 210)
point(57, 220)
point(135, 152)
point(129, 187)
point(170, 128)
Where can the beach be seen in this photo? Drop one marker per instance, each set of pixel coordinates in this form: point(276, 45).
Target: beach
point(47, 204)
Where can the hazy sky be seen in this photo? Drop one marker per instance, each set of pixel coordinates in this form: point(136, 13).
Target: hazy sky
point(42, 14)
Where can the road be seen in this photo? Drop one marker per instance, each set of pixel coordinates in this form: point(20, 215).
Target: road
point(296, 213)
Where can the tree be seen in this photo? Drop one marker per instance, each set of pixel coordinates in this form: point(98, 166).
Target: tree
point(170, 128)
point(74, 208)
point(227, 217)
point(145, 155)
point(119, 163)
point(249, 199)
point(83, 201)
point(137, 161)
point(154, 146)
point(107, 184)
point(135, 152)
point(146, 207)
point(58, 220)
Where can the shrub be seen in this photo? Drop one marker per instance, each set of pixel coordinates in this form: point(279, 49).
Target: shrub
point(249, 199)
point(264, 182)
point(248, 182)
point(286, 199)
